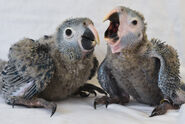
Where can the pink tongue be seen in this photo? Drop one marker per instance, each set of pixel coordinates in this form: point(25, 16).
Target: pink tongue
point(116, 49)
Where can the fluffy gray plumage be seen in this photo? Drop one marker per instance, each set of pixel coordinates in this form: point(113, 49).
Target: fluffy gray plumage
point(52, 67)
point(2, 65)
point(134, 66)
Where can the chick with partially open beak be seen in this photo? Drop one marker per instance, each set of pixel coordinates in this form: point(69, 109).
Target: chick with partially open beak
point(89, 39)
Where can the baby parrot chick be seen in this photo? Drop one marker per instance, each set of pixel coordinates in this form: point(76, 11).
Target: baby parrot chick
point(147, 70)
point(52, 68)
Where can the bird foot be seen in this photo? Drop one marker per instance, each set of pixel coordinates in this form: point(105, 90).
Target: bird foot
point(35, 103)
point(105, 100)
point(87, 89)
point(164, 106)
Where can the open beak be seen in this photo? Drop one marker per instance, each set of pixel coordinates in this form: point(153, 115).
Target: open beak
point(89, 39)
point(108, 16)
point(111, 34)
point(95, 33)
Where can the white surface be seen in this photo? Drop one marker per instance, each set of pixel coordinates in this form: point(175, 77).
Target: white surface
point(34, 18)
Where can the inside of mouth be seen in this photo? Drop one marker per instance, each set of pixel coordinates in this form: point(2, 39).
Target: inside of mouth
point(112, 30)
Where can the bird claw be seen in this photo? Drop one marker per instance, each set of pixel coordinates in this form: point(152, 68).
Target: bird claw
point(13, 103)
point(90, 88)
point(95, 94)
point(54, 108)
point(159, 110)
point(84, 94)
point(95, 103)
point(103, 100)
point(163, 108)
point(35, 102)
point(154, 113)
point(106, 104)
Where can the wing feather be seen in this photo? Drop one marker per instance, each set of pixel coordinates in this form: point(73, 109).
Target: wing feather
point(29, 69)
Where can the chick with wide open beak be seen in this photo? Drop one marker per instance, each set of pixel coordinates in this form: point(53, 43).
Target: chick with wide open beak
point(112, 34)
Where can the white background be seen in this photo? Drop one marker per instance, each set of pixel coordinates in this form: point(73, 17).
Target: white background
point(35, 18)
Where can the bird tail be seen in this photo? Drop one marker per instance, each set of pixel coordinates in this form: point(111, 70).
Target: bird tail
point(2, 65)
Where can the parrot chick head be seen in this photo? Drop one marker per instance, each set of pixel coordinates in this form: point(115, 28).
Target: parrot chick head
point(127, 28)
point(76, 38)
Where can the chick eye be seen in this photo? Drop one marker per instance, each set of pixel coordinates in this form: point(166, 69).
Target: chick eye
point(134, 22)
point(68, 32)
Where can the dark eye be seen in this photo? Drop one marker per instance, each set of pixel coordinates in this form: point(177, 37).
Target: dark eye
point(84, 24)
point(134, 22)
point(68, 32)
